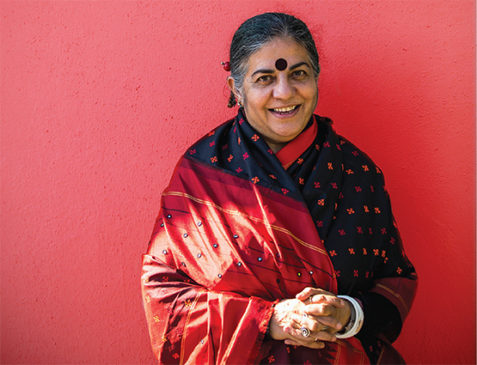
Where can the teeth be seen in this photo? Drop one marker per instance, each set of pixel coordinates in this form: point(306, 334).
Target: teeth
point(284, 110)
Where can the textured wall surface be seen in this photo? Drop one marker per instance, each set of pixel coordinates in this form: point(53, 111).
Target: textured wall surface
point(99, 99)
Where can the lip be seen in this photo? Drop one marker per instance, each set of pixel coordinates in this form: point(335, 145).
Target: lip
point(285, 115)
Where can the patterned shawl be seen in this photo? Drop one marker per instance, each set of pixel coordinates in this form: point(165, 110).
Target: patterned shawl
point(241, 228)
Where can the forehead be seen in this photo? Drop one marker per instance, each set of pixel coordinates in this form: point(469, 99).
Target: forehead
point(285, 48)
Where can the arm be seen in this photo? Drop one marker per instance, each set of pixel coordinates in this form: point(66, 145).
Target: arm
point(389, 296)
point(188, 323)
point(387, 304)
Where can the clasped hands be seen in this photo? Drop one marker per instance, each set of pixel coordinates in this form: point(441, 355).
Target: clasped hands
point(317, 312)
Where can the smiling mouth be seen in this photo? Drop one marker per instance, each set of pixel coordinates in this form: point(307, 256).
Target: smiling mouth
point(286, 110)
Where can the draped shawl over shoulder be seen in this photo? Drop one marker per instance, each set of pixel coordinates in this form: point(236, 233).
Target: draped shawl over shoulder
point(241, 227)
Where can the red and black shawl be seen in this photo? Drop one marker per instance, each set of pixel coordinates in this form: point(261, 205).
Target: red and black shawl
point(241, 228)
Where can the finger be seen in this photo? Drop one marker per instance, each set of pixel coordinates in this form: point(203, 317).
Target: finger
point(319, 310)
point(318, 322)
point(323, 329)
point(325, 336)
point(294, 326)
point(326, 299)
point(311, 344)
point(307, 292)
point(314, 324)
point(332, 323)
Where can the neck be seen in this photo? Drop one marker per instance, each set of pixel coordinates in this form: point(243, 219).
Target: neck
point(275, 147)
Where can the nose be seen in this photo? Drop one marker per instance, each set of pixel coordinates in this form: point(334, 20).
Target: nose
point(283, 89)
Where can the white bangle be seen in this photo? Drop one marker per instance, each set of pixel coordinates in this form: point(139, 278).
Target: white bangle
point(355, 324)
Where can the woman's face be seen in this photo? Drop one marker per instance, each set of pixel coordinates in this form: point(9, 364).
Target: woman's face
point(279, 103)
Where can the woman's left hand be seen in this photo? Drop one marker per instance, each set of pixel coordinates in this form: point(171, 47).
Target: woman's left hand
point(325, 307)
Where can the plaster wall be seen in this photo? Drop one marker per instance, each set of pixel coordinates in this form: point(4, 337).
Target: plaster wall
point(100, 98)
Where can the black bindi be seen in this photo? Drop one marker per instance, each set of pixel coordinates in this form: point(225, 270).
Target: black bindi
point(281, 64)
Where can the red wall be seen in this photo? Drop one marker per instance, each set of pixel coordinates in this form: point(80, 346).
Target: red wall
point(99, 99)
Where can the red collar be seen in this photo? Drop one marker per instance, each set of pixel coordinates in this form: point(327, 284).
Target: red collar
point(293, 149)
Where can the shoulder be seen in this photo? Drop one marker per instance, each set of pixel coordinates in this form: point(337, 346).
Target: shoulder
point(208, 145)
point(355, 161)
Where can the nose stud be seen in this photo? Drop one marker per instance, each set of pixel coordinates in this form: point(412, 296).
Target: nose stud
point(281, 64)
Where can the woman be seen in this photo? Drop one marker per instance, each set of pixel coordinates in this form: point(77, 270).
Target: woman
point(275, 242)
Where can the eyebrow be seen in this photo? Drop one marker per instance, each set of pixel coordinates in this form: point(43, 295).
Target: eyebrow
point(269, 71)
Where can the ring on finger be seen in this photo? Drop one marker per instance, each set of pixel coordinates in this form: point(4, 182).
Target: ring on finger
point(305, 332)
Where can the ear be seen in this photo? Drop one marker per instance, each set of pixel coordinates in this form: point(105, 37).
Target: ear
point(231, 85)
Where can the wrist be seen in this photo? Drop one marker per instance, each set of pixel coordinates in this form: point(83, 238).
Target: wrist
point(355, 321)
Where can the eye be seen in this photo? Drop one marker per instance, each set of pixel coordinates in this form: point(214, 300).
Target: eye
point(264, 79)
point(299, 74)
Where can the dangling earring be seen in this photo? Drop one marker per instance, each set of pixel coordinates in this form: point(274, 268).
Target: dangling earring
point(240, 103)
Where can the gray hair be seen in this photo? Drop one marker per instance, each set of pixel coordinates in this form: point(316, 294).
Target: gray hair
point(255, 32)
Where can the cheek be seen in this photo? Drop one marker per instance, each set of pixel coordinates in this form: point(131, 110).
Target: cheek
point(256, 98)
point(312, 94)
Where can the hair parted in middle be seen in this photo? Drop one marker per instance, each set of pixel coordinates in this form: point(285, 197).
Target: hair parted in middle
point(255, 32)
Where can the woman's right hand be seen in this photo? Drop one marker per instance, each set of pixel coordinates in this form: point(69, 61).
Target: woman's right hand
point(289, 317)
